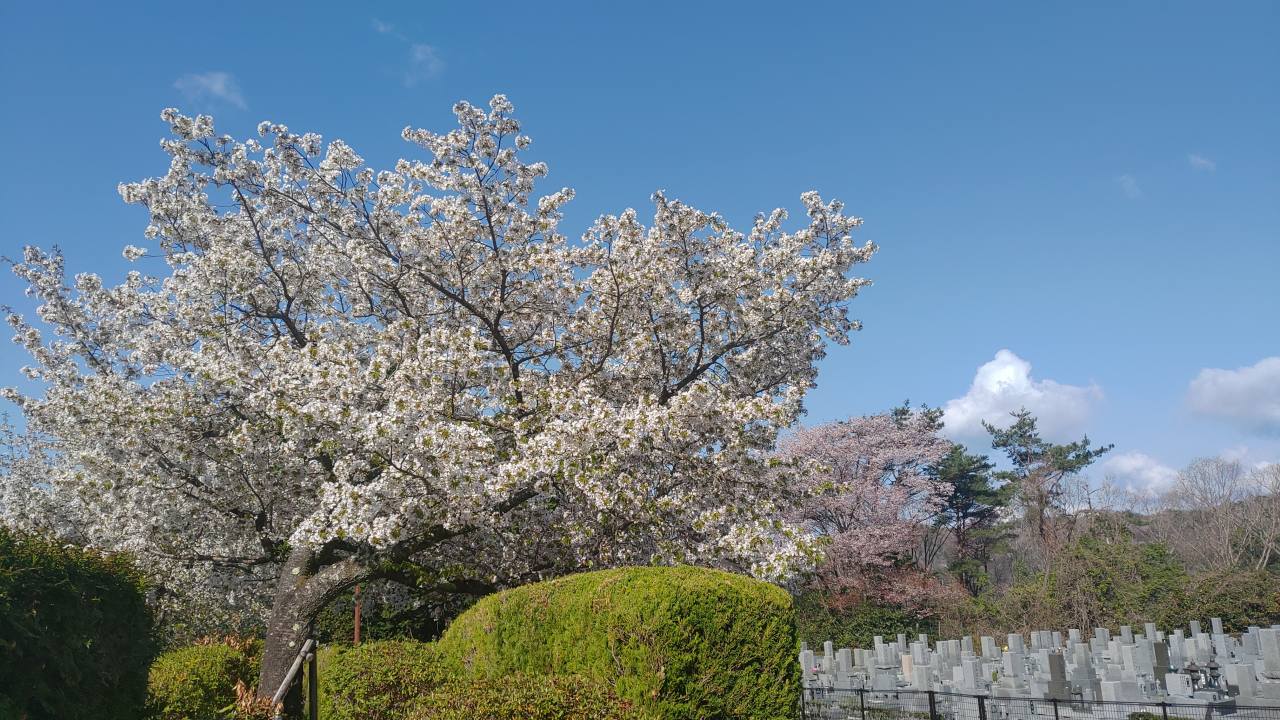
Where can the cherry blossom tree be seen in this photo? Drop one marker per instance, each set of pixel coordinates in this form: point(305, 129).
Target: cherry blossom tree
point(873, 495)
point(345, 375)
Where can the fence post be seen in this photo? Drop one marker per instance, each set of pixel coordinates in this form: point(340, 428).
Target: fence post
point(982, 707)
point(933, 706)
point(1164, 710)
point(862, 702)
point(1055, 708)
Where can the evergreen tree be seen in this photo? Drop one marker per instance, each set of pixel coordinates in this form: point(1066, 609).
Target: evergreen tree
point(971, 512)
point(1039, 469)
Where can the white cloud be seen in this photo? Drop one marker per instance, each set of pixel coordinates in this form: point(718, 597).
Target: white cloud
point(1248, 397)
point(203, 87)
point(1004, 385)
point(424, 64)
point(384, 27)
point(1140, 471)
point(1129, 186)
point(1200, 162)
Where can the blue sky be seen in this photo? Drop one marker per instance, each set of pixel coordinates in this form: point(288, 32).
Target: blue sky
point(1092, 188)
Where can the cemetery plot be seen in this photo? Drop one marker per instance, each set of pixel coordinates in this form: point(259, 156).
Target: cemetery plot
point(1129, 676)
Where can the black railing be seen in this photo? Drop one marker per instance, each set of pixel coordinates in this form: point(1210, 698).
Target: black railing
point(830, 704)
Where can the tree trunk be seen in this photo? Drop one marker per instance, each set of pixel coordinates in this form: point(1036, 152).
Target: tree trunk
point(302, 592)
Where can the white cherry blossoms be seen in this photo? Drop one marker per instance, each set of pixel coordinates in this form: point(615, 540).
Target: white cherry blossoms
point(415, 364)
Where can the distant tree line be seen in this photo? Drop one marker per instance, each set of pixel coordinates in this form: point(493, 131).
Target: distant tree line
point(923, 535)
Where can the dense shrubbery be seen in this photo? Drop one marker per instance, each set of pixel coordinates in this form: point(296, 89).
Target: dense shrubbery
point(678, 642)
point(198, 682)
point(818, 619)
point(524, 697)
point(1240, 598)
point(378, 680)
point(1103, 579)
point(75, 632)
point(1108, 579)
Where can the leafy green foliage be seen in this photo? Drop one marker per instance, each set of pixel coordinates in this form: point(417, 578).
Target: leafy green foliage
point(76, 635)
point(198, 682)
point(524, 697)
point(1106, 578)
point(677, 641)
point(379, 621)
point(856, 625)
point(378, 680)
point(1240, 597)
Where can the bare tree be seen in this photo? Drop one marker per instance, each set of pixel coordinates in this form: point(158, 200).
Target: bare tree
point(1219, 514)
point(1261, 514)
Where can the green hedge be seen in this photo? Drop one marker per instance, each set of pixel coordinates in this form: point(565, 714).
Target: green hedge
point(76, 635)
point(377, 680)
point(524, 697)
point(856, 625)
point(198, 682)
point(679, 642)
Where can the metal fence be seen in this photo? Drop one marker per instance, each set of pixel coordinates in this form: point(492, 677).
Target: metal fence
point(829, 704)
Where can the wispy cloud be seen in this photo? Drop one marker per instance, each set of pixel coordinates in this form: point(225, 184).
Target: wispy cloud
point(1129, 186)
point(211, 86)
point(424, 62)
point(1200, 162)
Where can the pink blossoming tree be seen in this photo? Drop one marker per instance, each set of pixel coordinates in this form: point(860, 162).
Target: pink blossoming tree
point(871, 498)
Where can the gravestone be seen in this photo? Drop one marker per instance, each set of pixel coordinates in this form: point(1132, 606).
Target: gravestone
point(1241, 681)
point(1178, 685)
point(1015, 643)
point(1269, 651)
point(989, 648)
point(1160, 661)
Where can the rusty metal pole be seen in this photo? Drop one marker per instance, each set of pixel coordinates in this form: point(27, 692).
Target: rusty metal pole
point(359, 602)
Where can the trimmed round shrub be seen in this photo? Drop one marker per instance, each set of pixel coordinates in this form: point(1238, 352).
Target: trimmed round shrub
point(198, 682)
point(678, 642)
point(524, 697)
point(377, 680)
point(76, 635)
